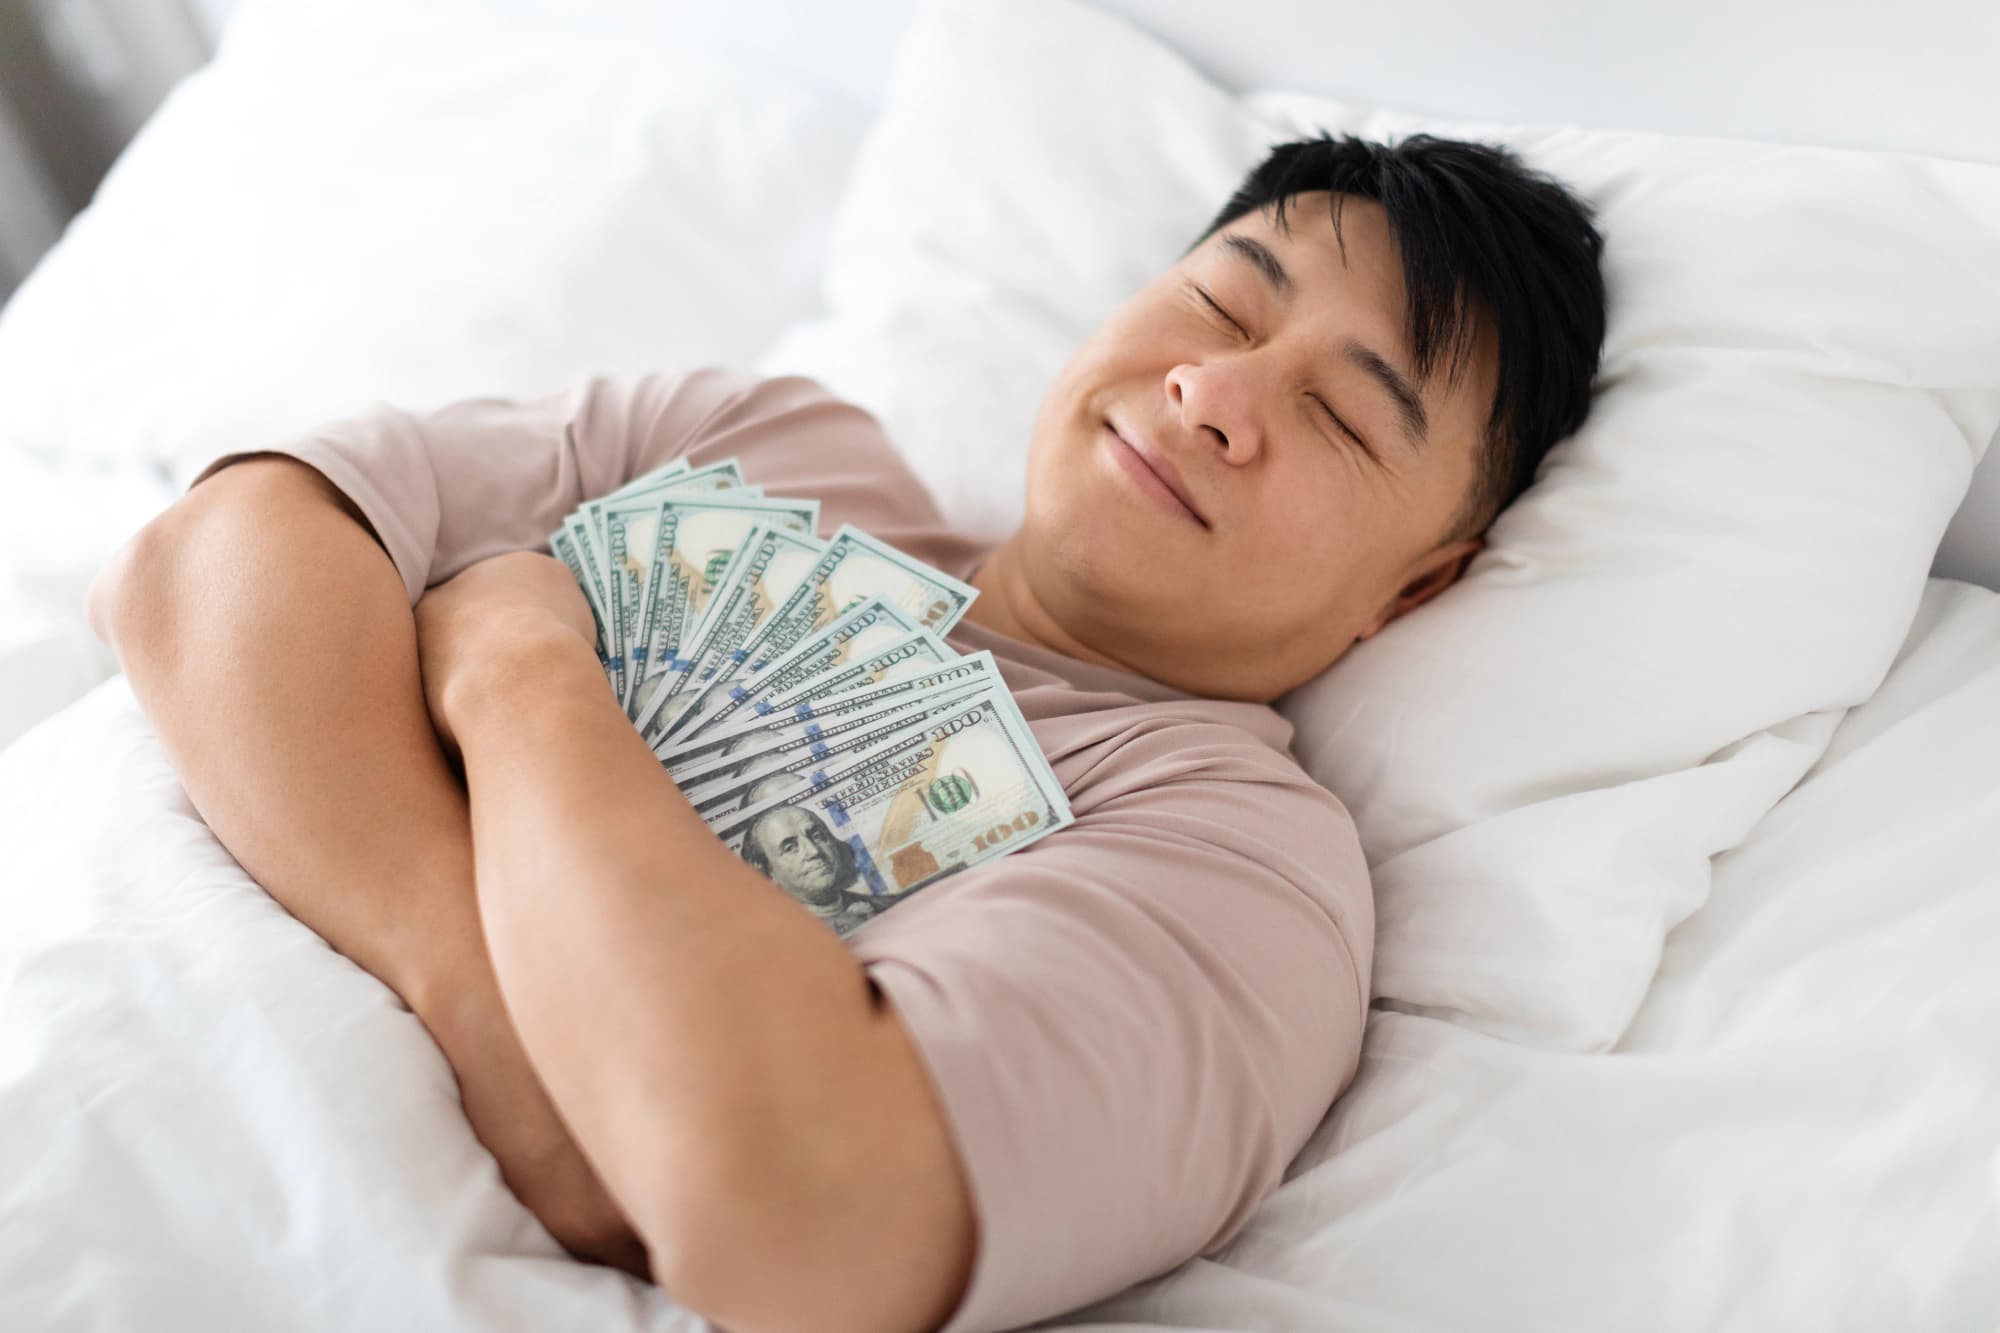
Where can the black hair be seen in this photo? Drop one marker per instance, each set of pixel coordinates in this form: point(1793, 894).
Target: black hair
point(1478, 232)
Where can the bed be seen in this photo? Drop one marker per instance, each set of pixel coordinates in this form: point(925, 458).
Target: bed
point(1686, 864)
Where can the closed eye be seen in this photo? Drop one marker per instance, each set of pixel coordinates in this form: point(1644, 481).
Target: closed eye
point(1334, 417)
point(1331, 415)
point(1216, 306)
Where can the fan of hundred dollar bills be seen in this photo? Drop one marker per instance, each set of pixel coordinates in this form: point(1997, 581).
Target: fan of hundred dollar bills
point(800, 692)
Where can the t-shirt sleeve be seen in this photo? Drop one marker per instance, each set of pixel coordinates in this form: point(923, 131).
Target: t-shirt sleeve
point(1135, 1024)
point(450, 486)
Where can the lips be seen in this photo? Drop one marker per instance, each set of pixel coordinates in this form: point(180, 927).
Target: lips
point(1156, 462)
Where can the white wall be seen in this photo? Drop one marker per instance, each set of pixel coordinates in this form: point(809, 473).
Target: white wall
point(1920, 76)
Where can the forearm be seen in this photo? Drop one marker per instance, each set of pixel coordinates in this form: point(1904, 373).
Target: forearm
point(243, 618)
point(271, 644)
point(716, 1050)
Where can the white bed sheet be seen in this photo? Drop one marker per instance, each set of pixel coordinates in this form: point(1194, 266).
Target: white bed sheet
point(215, 1121)
point(1801, 1131)
point(59, 522)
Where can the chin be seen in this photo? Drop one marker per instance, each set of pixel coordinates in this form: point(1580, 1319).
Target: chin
point(1095, 559)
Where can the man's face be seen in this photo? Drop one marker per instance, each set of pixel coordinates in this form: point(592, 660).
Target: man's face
point(801, 853)
point(1294, 540)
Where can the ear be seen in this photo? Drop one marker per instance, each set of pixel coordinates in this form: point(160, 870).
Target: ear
point(1440, 572)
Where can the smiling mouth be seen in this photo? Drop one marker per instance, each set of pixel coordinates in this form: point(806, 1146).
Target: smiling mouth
point(1147, 479)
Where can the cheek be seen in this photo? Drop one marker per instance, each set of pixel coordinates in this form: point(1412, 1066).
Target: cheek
point(1305, 517)
point(1311, 540)
point(1131, 350)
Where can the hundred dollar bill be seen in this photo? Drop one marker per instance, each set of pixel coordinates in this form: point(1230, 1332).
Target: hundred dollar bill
point(724, 475)
point(587, 520)
point(756, 579)
point(759, 750)
point(717, 481)
point(958, 676)
point(658, 479)
point(563, 545)
point(858, 836)
point(908, 656)
point(624, 567)
point(713, 483)
point(665, 472)
point(854, 568)
point(580, 544)
point(870, 627)
point(696, 552)
point(747, 779)
point(666, 554)
point(573, 545)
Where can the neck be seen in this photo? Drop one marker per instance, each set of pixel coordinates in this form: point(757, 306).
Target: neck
point(1007, 605)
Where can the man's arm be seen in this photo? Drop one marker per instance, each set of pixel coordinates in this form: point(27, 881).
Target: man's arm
point(724, 1061)
point(271, 644)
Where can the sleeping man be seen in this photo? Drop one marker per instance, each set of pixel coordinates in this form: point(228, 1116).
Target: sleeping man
point(1040, 1080)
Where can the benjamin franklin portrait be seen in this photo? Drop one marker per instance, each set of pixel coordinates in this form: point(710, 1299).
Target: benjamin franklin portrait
point(797, 851)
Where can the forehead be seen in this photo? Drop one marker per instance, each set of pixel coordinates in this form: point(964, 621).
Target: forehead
point(1355, 264)
point(782, 824)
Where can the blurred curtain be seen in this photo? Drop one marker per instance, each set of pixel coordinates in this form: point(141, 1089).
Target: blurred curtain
point(77, 79)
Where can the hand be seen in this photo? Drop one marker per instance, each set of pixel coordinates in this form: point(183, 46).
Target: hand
point(492, 618)
point(512, 1116)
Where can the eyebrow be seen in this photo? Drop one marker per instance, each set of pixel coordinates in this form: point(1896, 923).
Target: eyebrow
point(1409, 405)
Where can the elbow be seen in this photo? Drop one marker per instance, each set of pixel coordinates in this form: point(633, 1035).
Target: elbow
point(130, 588)
point(854, 1214)
point(207, 539)
point(137, 599)
point(224, 523)
point(709, 1242)
point(886, 1247)
point(103, 593)
point(747, 1268)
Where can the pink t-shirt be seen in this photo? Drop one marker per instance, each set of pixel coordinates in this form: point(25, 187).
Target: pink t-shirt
point(1134, 1024)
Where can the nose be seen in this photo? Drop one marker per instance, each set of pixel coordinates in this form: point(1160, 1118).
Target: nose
point(1219, 400)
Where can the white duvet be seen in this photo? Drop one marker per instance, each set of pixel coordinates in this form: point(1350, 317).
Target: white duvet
point(58, 524)
point(214, 1121)
point(211, 1121)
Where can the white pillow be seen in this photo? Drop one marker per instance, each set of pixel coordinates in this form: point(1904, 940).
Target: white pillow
point(1801, 369)
point(422, 202)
